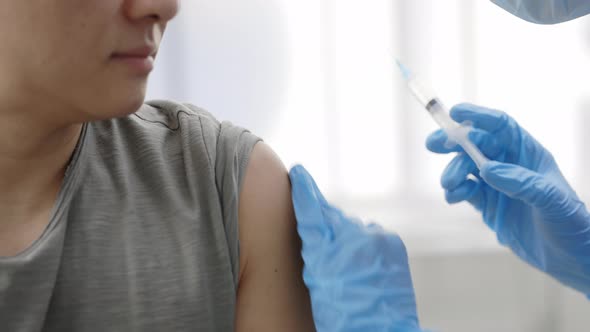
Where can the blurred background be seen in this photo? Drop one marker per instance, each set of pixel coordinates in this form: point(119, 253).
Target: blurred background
point(317, 80)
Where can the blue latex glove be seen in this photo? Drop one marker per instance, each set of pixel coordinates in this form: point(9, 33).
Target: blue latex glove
point(358, 276)
point(523, 197)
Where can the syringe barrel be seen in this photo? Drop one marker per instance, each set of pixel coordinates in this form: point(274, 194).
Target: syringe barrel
point(456, 133)
point(422, 92)
point(440, 114)
point(473, 151)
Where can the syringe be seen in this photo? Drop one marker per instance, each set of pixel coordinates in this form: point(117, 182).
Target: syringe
point(457, 133)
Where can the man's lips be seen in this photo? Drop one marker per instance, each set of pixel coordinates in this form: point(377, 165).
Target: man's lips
point(138, 52)
point(139, 59)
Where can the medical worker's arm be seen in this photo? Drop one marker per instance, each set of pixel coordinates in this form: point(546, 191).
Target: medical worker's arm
point(271, 295)
point(521, 194)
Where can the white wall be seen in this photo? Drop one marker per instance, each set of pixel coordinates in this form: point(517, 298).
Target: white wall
point(493, 292)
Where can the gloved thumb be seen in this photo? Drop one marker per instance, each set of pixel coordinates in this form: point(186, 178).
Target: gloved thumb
point(523, 184)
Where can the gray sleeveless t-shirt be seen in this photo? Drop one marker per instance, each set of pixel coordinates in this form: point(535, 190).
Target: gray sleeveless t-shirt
point(144, 234)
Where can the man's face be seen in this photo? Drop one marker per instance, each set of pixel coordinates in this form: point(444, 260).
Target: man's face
point(91, 57)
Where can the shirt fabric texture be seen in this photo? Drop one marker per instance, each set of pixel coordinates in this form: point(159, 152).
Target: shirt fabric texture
point(144, 233)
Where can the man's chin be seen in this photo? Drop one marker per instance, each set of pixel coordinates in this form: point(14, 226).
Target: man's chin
point(115, 109)
point(128, 108)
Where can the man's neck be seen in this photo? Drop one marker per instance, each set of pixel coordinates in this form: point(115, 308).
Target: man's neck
point(33, 157)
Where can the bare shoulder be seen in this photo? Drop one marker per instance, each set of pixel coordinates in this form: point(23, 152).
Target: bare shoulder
point(271, 293)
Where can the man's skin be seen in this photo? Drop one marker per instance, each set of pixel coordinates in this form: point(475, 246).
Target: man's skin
point(58, 60)
point(271, 294)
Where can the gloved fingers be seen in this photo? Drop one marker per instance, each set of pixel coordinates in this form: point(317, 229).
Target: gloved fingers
point(457, 171)
point(528, 186)
point(317, 220)
point(508, 134)
point(470, 191)
point(307, 199)
point(500, 125)
point(484, 118)
point(486, 142)
point(373, 247)
point(387, 241)
point(437, 143)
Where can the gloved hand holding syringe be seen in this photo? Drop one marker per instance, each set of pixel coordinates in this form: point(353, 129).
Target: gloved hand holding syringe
point(457, 133)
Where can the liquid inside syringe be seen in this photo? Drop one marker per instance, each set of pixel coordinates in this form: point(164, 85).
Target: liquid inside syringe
point(456, 132)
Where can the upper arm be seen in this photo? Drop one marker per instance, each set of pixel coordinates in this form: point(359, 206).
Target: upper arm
point(271, 293)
